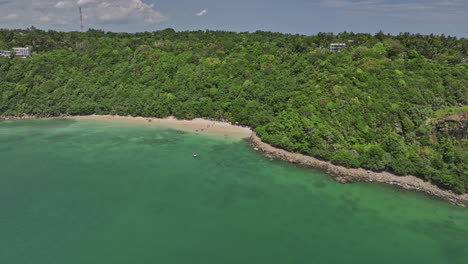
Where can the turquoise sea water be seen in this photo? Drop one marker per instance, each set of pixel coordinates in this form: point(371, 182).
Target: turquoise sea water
point(105, 192)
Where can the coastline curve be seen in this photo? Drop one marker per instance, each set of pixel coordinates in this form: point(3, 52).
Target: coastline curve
point(339, 173)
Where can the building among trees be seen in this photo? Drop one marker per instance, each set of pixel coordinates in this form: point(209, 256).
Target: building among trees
point(5, 53)
point(336, 47)
point(22, 52)
point(17, 52)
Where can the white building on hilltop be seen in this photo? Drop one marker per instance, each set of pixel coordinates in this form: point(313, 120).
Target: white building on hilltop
point(336, 47)
point(22, 52)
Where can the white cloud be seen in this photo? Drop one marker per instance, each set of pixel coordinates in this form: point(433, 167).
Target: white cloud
point(44, 19)
point(60, 4)
point(128, 10)
point(421, 8)
point(454, 3)
point(64, 4)
point(374, 4)
point(5, 2)
point(11, 16)
point(95, 12)
point(84, 2)
point(202, 13)
point(394, 5)
point(121, 11)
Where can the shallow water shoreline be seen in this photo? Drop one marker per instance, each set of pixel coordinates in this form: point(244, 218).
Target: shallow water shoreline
point(339, 173)
point(344, 175)
point(197, 125)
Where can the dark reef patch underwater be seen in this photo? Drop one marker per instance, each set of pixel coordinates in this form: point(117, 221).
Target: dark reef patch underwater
point(94, 192)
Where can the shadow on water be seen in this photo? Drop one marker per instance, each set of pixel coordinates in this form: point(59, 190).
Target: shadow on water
point(224, 195)
point(61, 137)
point(7, 148)
point(33, 128)
point(349, 205)
point(37, 123)
point(172, 132)
point(156, 141)
point(320, 184)
point(11, 139)
point(255, 193)
point(450, 238)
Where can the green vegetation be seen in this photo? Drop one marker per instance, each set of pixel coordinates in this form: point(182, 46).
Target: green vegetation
point(366, 106)
point(451, 111)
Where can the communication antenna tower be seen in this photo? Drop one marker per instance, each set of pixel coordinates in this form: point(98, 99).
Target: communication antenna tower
point(81, 19)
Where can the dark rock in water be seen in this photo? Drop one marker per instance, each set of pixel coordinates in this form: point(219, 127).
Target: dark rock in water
point(60, 136)
point(320, 184)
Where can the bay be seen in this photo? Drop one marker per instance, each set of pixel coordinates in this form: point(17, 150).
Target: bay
point(106, 192)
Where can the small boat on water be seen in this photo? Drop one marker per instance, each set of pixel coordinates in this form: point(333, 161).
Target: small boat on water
point(194, 154)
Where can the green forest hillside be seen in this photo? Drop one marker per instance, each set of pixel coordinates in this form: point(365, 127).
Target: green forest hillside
point(379, 104)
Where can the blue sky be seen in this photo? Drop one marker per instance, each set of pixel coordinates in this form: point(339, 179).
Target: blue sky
point(293, 16)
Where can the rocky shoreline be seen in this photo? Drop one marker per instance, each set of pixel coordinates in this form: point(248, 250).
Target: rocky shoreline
point(344, 175)
point(340, 173)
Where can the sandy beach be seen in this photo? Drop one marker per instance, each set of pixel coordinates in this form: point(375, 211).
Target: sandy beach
point(197, 125)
